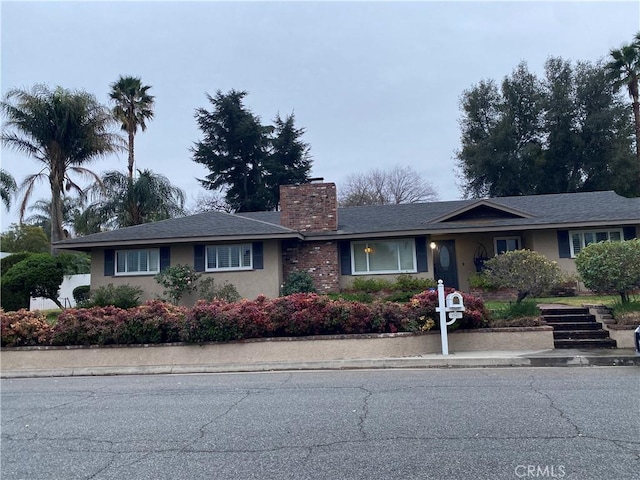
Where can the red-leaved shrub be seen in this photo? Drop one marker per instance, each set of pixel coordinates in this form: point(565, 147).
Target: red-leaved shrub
point(153, 322)
point(24, 328)
point(423, 307)
point(89, 326)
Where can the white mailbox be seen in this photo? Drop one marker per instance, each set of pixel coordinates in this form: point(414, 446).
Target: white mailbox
point(454, 302)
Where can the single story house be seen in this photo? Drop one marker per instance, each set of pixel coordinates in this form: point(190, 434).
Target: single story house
point(442, 240)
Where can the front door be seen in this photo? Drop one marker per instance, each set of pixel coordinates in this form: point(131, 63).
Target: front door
point(444, 263)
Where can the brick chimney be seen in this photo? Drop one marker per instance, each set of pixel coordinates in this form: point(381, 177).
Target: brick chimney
point(309, 207)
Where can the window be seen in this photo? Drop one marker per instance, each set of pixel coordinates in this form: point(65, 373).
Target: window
point(393, 256)
point(137, 261)
point(506, 244)
point(579, 240)
point(229, 257)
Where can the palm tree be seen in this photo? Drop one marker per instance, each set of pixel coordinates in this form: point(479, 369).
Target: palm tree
point(41, 213)
point(62, 130)
point(624, 69)
point(133, 105)
point(7, 187)
point(147, 198)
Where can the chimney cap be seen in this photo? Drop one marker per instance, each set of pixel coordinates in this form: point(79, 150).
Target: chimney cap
point(316, 179)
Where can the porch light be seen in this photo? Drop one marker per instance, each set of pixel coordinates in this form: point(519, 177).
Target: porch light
point(368, 249)
point(432, 245)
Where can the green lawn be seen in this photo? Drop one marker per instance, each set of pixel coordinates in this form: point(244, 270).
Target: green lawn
point(578, 301)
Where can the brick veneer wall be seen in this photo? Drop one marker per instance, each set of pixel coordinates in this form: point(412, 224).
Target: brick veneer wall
point(309, 207)
point(320, 259)
point(502, 294)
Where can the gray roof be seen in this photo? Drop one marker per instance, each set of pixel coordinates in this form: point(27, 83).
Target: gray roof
point(523, 212)
point(208, 226)
point(588, 208)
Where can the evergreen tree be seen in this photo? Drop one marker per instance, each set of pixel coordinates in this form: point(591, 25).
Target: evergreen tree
point(567, 132)
point(247, 160)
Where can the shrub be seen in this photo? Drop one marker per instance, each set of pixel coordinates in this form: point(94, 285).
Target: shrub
point(153, 322)
point(409, 283)
point(177, 281)
point(122, 296)
point(9, 261)
point(628, 318)
point(363, 297)
point(298, 281)
point(38, 275)
point(481, 280)
point(516, 310)
point(10, 299)
point(210, 292)
point(611, 267)
point(423, 309)
point(516, 322)
point(210, 322)
point(88, 326)
point(24, 328)
point(81, 293)
point(530, 273)
point(390, 317)
point(370, 284)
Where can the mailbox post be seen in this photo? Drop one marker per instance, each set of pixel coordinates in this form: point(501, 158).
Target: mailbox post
point(454, 306)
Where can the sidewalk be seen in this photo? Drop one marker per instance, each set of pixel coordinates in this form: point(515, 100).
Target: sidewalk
point(529, 358)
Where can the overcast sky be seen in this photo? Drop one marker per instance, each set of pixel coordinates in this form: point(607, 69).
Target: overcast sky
point(375, 84)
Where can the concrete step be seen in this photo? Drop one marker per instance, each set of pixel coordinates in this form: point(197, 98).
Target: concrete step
point(581, 334)
point(586, 343)
point(565, 311)
point(569, 318)
point(575, 326)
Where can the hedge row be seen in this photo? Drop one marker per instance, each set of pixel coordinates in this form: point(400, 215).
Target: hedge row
point(294, 315)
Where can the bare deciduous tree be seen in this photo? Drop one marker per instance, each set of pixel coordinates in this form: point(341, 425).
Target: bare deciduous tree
point(384, 187)
point(211, 201)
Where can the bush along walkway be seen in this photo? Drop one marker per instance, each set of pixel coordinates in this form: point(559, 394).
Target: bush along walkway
point(575, 327)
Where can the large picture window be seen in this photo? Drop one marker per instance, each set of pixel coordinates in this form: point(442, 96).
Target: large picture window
point(141, 262)
point(384, 256)
point(579, 240)
point(229, 257)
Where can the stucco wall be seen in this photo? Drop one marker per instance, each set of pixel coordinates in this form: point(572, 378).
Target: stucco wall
point(249, 283)
point(79, 360)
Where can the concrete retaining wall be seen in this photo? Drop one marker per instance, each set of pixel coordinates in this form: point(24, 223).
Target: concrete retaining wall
point(273, 350)
point(624, 336)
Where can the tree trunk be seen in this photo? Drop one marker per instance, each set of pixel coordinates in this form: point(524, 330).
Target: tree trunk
point(57, 233)
point(636, 118)
point(57, 302)
point(521, 296)
point(131, 136)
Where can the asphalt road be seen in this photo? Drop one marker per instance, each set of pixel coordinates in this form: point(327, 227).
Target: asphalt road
point(571, 423)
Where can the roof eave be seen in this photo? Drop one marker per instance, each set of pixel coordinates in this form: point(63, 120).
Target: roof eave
point(84, 246)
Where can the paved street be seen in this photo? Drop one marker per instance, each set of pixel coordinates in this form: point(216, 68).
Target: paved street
point(572, 423)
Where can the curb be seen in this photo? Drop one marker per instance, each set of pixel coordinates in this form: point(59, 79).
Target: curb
point(358, 364)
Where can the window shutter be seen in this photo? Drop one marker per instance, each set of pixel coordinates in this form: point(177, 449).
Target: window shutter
point(109, 262)
point(421, 254)
point(564, 249)
point(258, 255)
point(344, 246)
point(629, 232)
point(198, 258)
point(165, 258)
